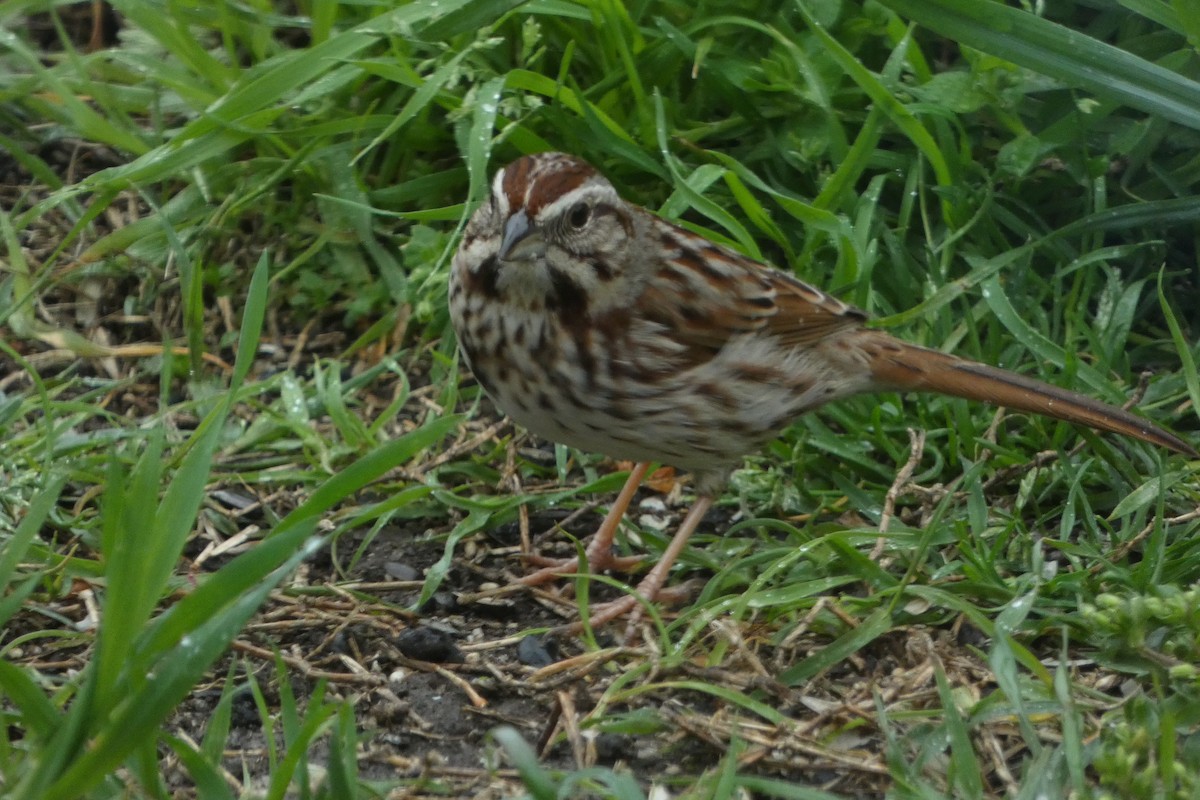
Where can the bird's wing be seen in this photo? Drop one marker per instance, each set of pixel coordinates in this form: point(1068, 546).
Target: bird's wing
point(705, 294)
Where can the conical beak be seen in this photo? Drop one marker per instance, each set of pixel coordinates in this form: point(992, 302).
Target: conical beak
point(516, 230)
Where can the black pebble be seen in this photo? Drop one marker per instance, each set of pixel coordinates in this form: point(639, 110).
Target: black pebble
point(611, 747)
point(440, 603)
point(427, 644)
point(537, 652)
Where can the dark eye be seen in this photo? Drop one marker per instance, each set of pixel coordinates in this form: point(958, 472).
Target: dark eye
point(579, 216)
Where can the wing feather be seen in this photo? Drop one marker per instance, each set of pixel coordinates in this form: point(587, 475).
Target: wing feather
point(705, 294)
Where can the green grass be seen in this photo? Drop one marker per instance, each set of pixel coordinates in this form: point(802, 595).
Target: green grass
point(225, 238)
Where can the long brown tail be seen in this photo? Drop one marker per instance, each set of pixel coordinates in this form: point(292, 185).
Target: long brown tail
point(900, 366)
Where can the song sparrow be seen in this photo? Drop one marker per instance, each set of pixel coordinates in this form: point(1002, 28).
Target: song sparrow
point(592, 322)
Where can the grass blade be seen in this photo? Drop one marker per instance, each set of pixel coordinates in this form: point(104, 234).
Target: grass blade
point(1051, 49)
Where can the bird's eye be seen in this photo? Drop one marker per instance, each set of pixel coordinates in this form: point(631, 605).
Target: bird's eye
point(579, 216)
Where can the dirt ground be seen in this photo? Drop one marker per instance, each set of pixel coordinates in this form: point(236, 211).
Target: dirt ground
point(428, 688)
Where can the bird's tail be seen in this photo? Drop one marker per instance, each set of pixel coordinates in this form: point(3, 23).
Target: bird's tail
point(899, 366)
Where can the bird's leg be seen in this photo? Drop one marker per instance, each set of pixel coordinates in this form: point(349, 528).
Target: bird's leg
point(652, 584)
point(599, 553)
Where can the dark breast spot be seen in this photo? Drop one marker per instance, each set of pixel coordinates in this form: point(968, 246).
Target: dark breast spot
point(621, 411)
point(583, 351)
point(485, 279)
point(567, 297)
point(602, 269)
point(613, 328)
point(801, 385)
point(715, 393)
point(482, 329)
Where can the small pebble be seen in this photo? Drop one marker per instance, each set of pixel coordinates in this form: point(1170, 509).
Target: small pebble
point(537, 651)
point(340, 643)
point(401, 572)
point(427, 644)
point(440, 603)
point(611, 747)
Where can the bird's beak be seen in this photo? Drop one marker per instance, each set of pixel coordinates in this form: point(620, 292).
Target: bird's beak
point(516, 230)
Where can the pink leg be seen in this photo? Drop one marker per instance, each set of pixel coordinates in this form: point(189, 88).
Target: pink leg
point(652, 584)
point(599, 552)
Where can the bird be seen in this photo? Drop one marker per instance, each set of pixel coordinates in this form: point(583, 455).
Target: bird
point(592, 322)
